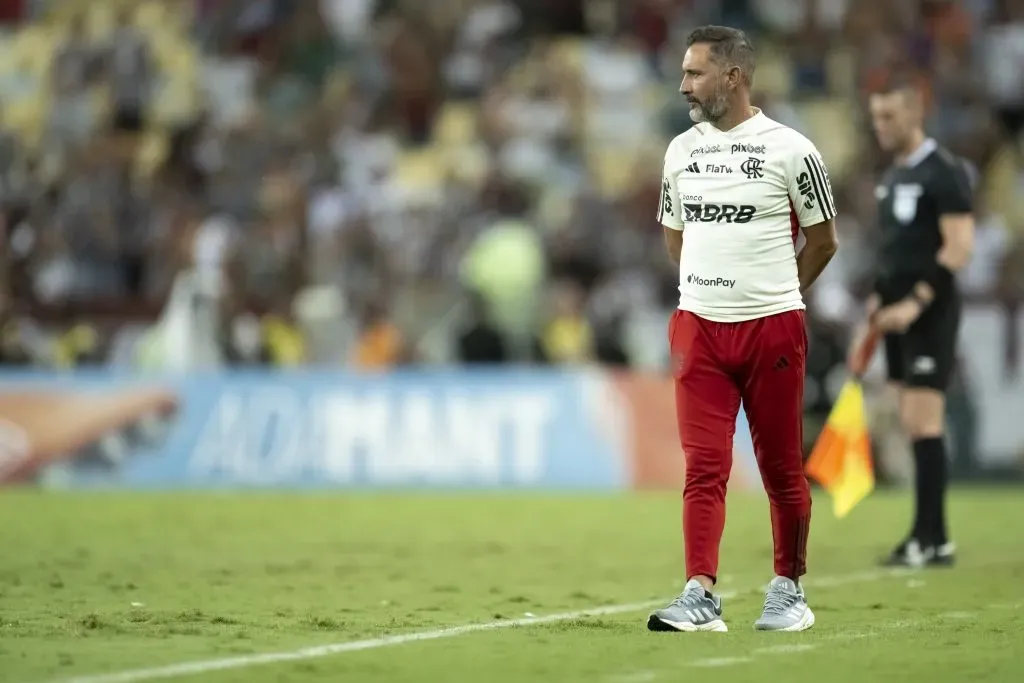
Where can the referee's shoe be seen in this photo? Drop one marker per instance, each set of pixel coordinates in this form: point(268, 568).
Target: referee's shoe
point(912, 553)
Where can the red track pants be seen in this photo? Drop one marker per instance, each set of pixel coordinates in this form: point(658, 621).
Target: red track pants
point(716, 365)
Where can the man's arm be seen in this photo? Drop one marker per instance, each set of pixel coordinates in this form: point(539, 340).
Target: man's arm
point(957, 245)
point(952, 191)
point(957, 231)
point(819, 248)
point(810, 194)
point(674, 244)
point(669, 210)
point(957, 240)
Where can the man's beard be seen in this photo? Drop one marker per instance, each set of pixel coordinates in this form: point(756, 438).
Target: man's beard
point(711, 110)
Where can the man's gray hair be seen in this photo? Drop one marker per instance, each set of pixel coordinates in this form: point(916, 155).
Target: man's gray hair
point(730, 47)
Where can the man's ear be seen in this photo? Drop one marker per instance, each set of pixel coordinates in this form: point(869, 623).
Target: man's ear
point(734, 76)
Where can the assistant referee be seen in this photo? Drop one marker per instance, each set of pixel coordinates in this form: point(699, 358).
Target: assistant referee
point(927, 226)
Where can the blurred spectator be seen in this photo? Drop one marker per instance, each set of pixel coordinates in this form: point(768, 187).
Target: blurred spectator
point(380, 344)
point(1003, 45)
point(991, 245)
point(74, 70)
point(284, 342)
point(610, 342)
point(480, 342)
point(567, 338)
point(130, 72)
point(14, 351)
point(79, 346)
point(278, 183)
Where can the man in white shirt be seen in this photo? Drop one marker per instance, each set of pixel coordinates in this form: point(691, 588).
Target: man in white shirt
point(738, 188)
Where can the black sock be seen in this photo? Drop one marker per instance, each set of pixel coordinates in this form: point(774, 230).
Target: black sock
point(930, 474)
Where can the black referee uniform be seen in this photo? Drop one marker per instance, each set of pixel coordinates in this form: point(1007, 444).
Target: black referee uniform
point(912, 196)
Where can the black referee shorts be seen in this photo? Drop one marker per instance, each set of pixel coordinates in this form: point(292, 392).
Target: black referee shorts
point(924, 355)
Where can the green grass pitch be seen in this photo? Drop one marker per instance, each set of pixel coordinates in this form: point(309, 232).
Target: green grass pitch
point(109, 583)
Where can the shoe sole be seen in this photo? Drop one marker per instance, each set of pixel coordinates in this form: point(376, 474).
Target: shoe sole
point(656, 623)
point(805, 622)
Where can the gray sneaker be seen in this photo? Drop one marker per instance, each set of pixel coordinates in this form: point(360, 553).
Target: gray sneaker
point(694, 610)
point(785, 608)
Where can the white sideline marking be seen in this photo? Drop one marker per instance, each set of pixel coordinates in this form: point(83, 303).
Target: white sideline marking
point(797, 648)
point(637, 677)
point(784, 649)
point(721, 661)
point(245, 661)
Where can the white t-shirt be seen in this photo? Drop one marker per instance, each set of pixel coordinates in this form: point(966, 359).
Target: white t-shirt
point(742, 196)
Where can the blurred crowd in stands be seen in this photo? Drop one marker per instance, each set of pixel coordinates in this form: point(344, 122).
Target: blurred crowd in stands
point(372, 183)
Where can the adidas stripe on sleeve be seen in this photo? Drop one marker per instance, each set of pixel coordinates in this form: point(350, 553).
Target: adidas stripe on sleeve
point(810, 189)
point(669, 209)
